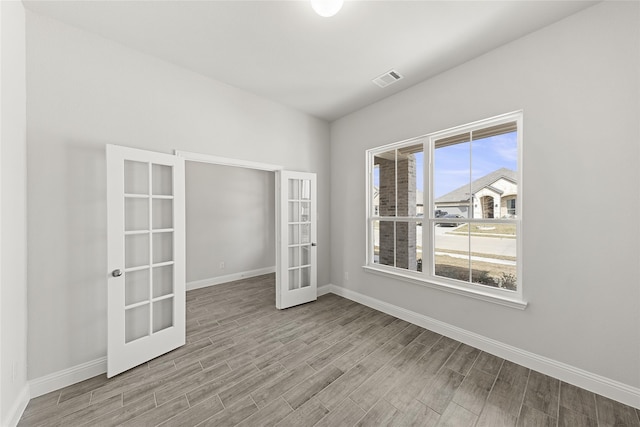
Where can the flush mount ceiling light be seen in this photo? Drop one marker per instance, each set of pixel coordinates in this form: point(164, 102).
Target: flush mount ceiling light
point(326, 8)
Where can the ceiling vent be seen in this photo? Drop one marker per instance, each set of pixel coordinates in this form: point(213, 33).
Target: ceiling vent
point(387, 78)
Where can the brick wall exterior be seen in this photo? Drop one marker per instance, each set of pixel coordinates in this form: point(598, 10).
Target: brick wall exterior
point(405, 235)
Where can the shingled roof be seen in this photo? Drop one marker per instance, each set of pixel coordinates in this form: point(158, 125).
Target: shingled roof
point(462, 194)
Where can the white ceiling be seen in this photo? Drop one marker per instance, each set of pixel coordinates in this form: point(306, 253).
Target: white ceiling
point(285, 52)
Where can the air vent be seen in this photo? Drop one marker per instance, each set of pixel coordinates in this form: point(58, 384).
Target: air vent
point(387, 78)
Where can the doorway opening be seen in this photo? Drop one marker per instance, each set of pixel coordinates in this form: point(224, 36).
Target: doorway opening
point(231, 219)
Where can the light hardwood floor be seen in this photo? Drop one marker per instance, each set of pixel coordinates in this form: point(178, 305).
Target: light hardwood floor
point(328, 363)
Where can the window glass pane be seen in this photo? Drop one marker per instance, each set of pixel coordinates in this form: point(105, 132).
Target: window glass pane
point(162, 280)
point(305, 189)
point(375, 191)
point(305, 252)
point(162, 177)
point(305, 277)
point(494, 174)
point(136, 250)
point(419, 245)
point(162, 314)
point(493, 254)
point(294, 211)
point(305, 233)
point(451, 251)
point(294, 257)
point(410, 180)
point(162, 247)
point(375, 226)
point(385, 242)
point(294, 238)
point(294, 189)
point(451, 177)
point(386, 165)
point(305, 211)
point(136, 177)
point(136, 286)
point(136, 323)
point(162, 213)
point(136, 214)
point(406, 251)
point(294, 279)
point(509, 203)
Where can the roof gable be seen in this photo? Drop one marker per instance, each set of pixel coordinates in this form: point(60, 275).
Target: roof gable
point(462, 194)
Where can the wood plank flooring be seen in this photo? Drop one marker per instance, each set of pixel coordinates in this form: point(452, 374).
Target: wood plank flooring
point(328, 363)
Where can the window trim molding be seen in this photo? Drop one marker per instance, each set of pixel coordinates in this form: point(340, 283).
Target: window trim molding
point(513, 299)
point(406, 276)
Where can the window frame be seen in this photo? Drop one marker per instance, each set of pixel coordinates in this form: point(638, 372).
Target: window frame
point(427, 277)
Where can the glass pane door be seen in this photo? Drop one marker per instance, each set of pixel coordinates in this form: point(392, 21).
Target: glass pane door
point(148, 211)
point(299, 224)
point(297, 251)
point(146, 256)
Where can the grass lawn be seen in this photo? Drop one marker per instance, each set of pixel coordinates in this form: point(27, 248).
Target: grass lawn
point(488, 229)
point(483, 272)
point(492, 256)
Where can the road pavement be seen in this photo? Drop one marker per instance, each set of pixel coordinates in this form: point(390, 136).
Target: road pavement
point(444, 240)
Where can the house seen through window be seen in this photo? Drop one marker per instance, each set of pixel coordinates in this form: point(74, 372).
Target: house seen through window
point(444, 207)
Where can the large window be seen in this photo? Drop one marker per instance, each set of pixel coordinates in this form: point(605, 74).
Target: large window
point(443, 208)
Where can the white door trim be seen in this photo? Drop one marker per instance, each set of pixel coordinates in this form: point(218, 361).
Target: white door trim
point(225, 161)
point(247, 164)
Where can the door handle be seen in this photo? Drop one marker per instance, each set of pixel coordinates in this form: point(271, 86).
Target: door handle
point(314, 244)
point(116, 273)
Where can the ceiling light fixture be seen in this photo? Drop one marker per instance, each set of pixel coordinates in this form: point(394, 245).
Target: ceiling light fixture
point(326, 8)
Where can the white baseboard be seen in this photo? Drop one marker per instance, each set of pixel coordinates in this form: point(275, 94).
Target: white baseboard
point(16, 411)
point(84, 371)
point(325, 289)
point(598, 384)
point(66, 377)
point(197, 284)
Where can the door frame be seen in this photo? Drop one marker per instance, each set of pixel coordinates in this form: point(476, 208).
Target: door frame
point(226, 161)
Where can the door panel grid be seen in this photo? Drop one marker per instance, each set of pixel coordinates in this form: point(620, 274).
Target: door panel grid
point(299, 232)
point(297, 247)
point(146, 256)
point(148, 246)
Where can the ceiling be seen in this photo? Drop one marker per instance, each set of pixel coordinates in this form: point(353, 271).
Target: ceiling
point(283, 51)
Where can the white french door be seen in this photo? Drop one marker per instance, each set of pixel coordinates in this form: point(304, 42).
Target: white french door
point(146, 256)
point(297, 269)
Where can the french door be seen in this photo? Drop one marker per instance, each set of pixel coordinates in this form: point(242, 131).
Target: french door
point(297, 269)
point(146, 256)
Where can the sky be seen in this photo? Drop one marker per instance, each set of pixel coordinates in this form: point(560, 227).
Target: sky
point(453, 163)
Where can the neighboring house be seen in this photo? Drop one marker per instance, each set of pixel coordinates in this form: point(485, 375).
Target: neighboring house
point(493, 196)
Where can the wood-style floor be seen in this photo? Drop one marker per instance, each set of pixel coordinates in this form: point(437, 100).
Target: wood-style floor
point(328, 363)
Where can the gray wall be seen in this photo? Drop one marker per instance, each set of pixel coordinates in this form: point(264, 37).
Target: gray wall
point(13, 231)
point(230, 216)
point(83, 92)
point(578, 84)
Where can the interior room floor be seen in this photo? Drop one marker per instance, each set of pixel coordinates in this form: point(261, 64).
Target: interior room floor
point(332, 362)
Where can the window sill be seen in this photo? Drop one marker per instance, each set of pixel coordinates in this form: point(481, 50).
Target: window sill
point(447, 287)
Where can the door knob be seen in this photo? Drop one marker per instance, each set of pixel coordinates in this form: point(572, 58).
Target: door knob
point(313, 244)
point(116, 273)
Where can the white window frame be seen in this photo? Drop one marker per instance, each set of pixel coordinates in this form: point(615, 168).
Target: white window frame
point(500, 296)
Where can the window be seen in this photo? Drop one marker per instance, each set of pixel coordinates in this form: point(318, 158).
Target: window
point(511, 206)
point(442, 209)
